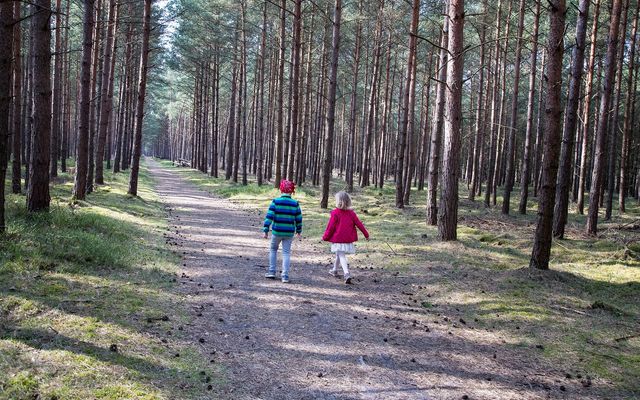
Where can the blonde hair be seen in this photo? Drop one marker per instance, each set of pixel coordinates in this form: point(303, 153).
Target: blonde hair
point(343, 200)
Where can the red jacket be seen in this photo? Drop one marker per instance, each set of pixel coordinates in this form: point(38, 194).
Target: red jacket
point(342, 227)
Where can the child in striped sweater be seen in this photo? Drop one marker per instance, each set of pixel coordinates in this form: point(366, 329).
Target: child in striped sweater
point(285, 219)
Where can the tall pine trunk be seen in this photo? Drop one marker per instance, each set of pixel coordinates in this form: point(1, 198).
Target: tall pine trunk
point(6, 53)
point(553, 111)
point(528, 135)
point(331, 105)
point(57, 95)
point(38, 197)
point(603, 120)
point(16, 166)
point(106, 95)
point(570, 123)
point(142, 88)
point(586, 126)
point(406, 100)
point(448, 211)
point(436, 134)
point(82, 142)
point(627, 125)
point(511, 141)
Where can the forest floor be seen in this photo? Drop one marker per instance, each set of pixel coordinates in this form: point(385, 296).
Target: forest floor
point(162, 296)
point(423, 319)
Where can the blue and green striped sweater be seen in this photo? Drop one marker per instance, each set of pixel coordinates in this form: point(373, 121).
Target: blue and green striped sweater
point(284, 217)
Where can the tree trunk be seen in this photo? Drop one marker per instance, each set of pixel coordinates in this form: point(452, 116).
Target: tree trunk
point(6, 53)
point(601, 132)
point(260, 102)
point(82, 146)
point(95, 105)
point(627, 126)
point(436, 134)
point(493, 127)
point(331, 105)
point(511, 144)
point(586, 109)
point(38, 197)
point(57, 95)
point(613, 129)
point(280, 104)
point(478, 144)
point(352, 108)
point(570, 123)
point(553, 110)
point(16, 173)
point(106, 95)
point(526, 158)
point(371, 107)
point(448, 212)
point(142, 87)
point(404, 117)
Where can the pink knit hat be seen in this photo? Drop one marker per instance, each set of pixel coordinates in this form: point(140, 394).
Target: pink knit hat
point(287, 186)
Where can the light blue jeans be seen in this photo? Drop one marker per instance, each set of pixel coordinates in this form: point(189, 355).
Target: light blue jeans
point(286, 254)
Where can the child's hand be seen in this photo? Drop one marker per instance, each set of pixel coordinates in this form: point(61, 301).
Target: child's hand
point(265, 235)
point(299, 235)
point(367, 239)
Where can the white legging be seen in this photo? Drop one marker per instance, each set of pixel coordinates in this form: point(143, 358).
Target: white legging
point(341, 258)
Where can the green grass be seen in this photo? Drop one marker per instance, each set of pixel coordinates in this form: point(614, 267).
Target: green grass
point(83, 277)
point(484, 278)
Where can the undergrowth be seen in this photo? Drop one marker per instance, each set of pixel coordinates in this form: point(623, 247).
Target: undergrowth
point(85, 291)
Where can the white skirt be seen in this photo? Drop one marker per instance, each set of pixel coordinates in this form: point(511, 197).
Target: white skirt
point(348, 248)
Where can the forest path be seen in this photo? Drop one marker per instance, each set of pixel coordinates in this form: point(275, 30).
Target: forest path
point(317, 338)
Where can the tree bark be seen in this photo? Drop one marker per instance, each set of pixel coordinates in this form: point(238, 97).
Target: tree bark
point(6, 53)
point(106, 95)
point(38, 197)
point(553, 111)
point(280, 104)
point(353, 107)
point(526, 158)
point(478, 144)
point(436, 134)
point(601, 132)
point(627, 125)
point(57, 95)
point(404, 117)
point(448, 212)
point(511, 144)
point(493, 127)
point(16, 173)
point(613, 129)
point(142, 87)
point(82, 146)
point(570, 123)
point(586, 109)
point(331, 105)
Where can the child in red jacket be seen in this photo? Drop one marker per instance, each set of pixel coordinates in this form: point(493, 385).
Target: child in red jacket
point(341, 232)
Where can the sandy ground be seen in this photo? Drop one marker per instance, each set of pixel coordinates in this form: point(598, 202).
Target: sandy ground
point(317, 338)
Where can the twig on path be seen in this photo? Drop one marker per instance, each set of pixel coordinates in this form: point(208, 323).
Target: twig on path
point(620, 339)
point(54, 331)
point(387, 243)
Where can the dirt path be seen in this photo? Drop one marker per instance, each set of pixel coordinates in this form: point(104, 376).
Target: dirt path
point(317, 338)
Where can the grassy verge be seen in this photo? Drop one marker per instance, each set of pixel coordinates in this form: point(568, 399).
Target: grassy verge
point(572, 315)
point(84, 291)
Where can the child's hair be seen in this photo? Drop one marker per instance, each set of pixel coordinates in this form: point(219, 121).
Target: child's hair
point(343, 200)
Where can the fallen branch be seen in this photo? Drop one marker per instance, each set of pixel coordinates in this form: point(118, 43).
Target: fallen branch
point(620, 339)
point(394, 252)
